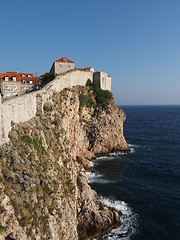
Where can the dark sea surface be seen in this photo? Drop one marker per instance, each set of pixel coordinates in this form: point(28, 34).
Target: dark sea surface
point(144, 184)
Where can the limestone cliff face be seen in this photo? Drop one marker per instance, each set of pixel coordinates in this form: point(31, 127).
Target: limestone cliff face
point(44, 191)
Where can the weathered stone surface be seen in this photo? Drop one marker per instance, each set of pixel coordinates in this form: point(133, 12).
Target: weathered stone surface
point(44, 191)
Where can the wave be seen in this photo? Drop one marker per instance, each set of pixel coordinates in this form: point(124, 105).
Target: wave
point(110, 156)
point(129, 221)
point(93, 177)
point(134, 145)
point(98, 178)
point(92, 163)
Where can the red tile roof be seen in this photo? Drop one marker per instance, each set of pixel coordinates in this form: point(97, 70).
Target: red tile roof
point(19, 76)
point(64, 59)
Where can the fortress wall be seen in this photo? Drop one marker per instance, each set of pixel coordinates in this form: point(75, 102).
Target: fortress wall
point(103, 80)
point(108, 83)
point(22, 108)
point(69, 79)
point(18, 109)
point(80, 77)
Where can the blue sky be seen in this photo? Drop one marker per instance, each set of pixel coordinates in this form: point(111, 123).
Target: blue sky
point(136, 41)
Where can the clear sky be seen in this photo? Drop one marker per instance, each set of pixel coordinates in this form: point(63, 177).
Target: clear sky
point(137, 42)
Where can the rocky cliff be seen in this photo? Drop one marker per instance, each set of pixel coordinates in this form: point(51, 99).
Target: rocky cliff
point(44, 191)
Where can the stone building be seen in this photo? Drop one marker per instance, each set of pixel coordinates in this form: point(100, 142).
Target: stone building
point(62, 65)
point(15, 83)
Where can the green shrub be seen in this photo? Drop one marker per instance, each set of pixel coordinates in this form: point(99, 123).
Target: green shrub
point(102, 97)
point(88, 83)
point(85, 100)
point(37, 144)
point(45, 78)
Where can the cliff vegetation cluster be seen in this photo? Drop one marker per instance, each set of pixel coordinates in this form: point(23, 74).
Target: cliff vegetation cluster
point(44, 191)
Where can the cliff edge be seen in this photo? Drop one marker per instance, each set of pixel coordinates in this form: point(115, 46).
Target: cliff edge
point(44, 191)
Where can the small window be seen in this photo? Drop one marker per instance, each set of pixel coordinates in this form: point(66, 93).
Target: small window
point(29, 75)
point(30, 82)
point(6, 78)
point(14, 79)
point(24, 81)
point(6, 87)
point(60, 65)
point(23, 75)
point(14, 87)
point(69, 66)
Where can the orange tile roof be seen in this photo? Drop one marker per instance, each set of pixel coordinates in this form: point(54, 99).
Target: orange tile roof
point(18, 76)
point(64, 59)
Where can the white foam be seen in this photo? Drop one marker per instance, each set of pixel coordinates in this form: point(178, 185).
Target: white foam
point(134, 145)
point(92, 163)
point(129, 223)
point(96, 177)
point(93, 177)
point(132, 150)
point(108, 157)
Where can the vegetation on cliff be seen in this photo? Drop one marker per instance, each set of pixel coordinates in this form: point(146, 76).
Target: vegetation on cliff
point(44, 192)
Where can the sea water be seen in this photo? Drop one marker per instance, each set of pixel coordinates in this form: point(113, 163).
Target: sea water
point(145, 183)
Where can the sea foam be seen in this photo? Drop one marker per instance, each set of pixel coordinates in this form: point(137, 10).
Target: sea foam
point(129, 221)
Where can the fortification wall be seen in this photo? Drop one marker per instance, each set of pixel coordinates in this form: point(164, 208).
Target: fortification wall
point(69, 79)
point(103, 80)
point(17, 109)
point(22, 108)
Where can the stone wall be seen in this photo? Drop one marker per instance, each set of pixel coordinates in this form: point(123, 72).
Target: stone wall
point(22, 108)
point(103, 80)
point(17, 109)
point(69, 79)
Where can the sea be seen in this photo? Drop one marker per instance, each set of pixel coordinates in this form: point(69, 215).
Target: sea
point(145, 183)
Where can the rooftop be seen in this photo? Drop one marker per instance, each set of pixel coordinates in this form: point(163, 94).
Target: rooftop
point(64, 59)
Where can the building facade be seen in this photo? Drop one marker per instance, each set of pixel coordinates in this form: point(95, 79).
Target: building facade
point(62, 65)
point(15, 83)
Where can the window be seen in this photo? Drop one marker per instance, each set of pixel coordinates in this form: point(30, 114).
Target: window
point(30, 82)
point(29, 75)
point(14, 79)
point(24, 81)
point(69, 66)
point(60, 65)
point(14, 87)
point(23, 75)
point(6, 87)
point(6, 78)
